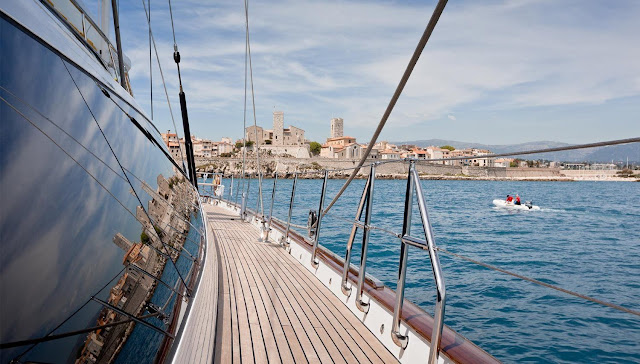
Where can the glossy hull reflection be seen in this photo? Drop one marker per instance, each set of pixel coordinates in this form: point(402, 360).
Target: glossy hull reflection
point(101, 231)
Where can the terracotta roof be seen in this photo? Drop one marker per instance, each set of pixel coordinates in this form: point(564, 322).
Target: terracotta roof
point(340, 138)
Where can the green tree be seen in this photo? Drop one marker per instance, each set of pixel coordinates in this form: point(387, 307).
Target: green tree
point(448, 147)
point(515, 163)
point(239, 144)
point(144, 238)
point(315, 148)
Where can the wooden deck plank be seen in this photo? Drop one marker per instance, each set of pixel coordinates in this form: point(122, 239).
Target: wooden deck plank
point(299, 343)
point(224, 352)
point(259, 341)
point(275, 317)
point(336, 348)
point(282, 312)
point(339, 337)
point(234, 329)
point(302, 319)
point(244, 330)
point(345, 319)
point(305, 324)
point(273, 350)
point(324, 311)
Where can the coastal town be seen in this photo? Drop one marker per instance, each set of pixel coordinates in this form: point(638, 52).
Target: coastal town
point(287, 149)
point(163, 237)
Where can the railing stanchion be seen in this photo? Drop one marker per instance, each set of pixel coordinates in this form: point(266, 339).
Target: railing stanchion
point(245, 198)
point(413, 185)
point(347, 260)
point(259, 199)
point(438, 316)
point(364, 306)
point(398, 338)
point(273, 197)
point(285, 238)
point(314, 261)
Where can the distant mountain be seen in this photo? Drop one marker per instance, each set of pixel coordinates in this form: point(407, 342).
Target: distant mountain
point(617, 153)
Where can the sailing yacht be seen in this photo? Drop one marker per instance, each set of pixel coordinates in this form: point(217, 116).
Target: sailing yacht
point(111, 253)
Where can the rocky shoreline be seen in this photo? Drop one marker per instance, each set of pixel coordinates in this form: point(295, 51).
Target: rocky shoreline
point(313, 168)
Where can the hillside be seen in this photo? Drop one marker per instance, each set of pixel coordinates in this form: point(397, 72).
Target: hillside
point(617, 153)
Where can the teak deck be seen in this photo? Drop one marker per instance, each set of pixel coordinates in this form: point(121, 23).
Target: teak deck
point(272, 310)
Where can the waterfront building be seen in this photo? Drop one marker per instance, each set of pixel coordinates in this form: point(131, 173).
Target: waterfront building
point(279, 141)
point(341, 147)
point(278, 136)
point(202, 148)
point(416, 153)
point(389, 154)
point(122, 242)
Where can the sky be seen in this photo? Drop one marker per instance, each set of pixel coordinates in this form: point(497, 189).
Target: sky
point(493, 72)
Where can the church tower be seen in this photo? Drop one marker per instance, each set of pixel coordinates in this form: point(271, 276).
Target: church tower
point(336, 128)
point(278, 128)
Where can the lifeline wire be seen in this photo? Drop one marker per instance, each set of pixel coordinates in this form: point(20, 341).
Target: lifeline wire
point(535, 281)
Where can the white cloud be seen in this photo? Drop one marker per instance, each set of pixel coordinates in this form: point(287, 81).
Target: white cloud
point(451, 117)
point(318, 59)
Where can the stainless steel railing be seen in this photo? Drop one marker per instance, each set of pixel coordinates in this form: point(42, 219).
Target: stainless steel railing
point(406, 240)
point(273, 197)
point(413, 185)
point(73, 14)
point(367, 197)
point(316, 238)
point(285, 238)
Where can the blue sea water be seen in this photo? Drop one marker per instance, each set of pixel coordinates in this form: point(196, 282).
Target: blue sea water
point(585, 238)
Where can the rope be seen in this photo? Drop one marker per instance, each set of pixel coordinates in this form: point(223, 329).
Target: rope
point(173, 120)
point(535, 281)
point(405, 77)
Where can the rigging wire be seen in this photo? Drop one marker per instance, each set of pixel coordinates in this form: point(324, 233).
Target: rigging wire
point(244, 120)
point(509, 154)
point(174, 210)
point(259, 203)
point(171, 207)
point(535, 281)
point(153, 40)
point(150, 62)
point(183, 107)
point(72, 314)
point(403, 81)
point(125, 175)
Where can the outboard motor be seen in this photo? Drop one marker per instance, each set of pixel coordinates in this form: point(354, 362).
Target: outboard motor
point(311, 223)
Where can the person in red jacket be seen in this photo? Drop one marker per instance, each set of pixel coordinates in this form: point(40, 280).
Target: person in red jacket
point(518, 200)
point(509, 199)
